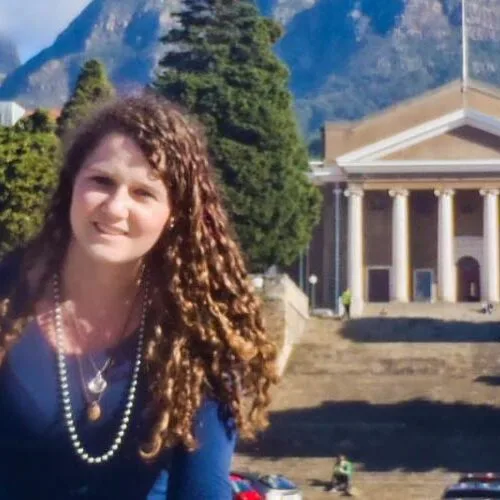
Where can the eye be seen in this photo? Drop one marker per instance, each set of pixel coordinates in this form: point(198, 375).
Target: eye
point(102, 180)
point(144, 193)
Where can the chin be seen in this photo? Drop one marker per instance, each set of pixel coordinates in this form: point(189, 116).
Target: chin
point(114, 256)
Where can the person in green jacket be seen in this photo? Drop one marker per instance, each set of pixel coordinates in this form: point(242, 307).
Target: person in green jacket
point(346, 302)
point(342, 475)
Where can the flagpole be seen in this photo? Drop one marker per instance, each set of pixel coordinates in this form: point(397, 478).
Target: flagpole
point(465, 49)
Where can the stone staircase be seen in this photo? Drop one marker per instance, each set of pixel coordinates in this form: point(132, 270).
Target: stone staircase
point(413, 401)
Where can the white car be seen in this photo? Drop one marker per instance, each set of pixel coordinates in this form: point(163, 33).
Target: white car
point(467, 491)
point(274, 486)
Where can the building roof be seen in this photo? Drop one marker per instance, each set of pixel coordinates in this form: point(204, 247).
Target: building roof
point(448, 130)
point(346, 137)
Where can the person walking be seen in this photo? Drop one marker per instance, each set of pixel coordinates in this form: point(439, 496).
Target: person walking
point(346, 302)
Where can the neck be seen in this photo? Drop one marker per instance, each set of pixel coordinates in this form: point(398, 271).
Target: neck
point(98, 286)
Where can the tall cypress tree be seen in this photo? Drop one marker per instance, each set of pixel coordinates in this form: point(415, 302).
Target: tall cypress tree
point(223, 70)
point(92, 87)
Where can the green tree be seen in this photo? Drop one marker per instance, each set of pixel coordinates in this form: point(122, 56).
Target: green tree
point(223, 70)
point(28, 174)
point(38, 121)
point(92, 87)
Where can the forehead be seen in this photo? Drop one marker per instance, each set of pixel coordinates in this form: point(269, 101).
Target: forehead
point(117, 146)
point(117, 151)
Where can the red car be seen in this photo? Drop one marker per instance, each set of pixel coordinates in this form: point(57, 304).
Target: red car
point(480, 477)
point(242, 489)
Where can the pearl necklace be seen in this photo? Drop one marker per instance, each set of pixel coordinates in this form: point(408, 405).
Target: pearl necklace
point(63, 379)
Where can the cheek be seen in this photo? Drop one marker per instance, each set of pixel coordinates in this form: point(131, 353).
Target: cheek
point(153, 221)
point(77, 207)
point(85, 201)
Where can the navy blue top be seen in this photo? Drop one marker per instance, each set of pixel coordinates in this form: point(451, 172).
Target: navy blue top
point(37, 459)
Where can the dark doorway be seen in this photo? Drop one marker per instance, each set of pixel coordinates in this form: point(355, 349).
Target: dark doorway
point(378, 285)
point(468, 281)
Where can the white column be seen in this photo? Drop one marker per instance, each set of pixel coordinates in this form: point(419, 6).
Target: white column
point(355, 248)
point(490, 245)
point(446, 253)
point(400, 246)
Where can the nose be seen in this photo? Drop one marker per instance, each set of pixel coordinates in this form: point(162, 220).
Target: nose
point(117, 203)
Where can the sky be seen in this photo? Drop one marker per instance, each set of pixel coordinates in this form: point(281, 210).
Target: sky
point(34, 24)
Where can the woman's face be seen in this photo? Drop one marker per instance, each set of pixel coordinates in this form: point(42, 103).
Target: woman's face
point(119, 206)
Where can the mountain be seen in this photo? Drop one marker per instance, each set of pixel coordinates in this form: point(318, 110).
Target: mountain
point(351, 57)
point(123, 34)
point(347, 57)
point(9, 57)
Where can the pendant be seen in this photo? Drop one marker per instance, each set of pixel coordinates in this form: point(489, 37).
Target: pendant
point(98, 384)
point(94, 411)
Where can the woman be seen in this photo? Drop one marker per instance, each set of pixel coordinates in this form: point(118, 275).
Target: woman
point(132, 345)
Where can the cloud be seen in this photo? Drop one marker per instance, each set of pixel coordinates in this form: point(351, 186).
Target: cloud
point(34, 24)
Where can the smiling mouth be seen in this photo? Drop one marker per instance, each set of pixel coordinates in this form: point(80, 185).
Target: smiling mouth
point(107, 230)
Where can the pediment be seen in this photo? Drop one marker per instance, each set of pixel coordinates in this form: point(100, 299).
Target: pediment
point(462, 143)
point(465, 134)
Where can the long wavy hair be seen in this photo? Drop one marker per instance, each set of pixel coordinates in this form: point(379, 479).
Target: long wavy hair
point(204, 329)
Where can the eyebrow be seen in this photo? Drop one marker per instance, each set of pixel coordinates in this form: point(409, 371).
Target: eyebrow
point(96, 169)
point(151, 187)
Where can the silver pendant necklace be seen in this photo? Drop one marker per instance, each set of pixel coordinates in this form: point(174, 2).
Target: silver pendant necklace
point(98, 384)
point(94, 389)
point(68, 411)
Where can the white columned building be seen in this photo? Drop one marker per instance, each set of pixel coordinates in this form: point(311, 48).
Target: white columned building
point(441, 242)
point(446, 252)
point(490, 243)
point(355, 248)
point(400, 246)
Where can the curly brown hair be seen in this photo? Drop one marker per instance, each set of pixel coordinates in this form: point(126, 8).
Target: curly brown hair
point(204, 329)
